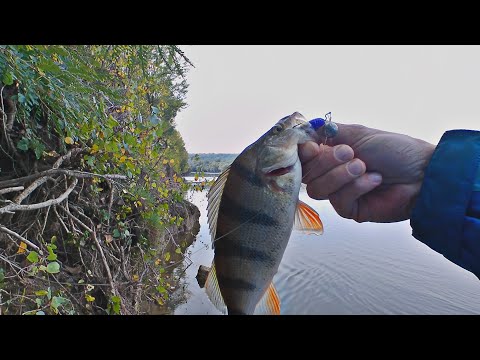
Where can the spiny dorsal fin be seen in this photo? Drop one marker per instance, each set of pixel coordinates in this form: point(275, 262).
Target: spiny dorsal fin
point(270, 303)
point(307, 219)
point(214, 197)
point(213, 290)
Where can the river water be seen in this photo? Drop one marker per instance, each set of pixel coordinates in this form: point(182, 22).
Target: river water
point(351, 269)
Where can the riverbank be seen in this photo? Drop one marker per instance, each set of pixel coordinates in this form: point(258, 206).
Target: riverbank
point(142, 278)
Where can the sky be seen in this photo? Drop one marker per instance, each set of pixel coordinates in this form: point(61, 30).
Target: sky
point(237, 93)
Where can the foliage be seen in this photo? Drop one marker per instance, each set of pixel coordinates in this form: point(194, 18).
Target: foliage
point(107, 109)
point(210, 163)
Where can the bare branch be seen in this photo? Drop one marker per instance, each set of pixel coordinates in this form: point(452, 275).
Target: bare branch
point(19, 237)
point(74, 173)
point(11, 189)
point(30, 189)
point(15, 207)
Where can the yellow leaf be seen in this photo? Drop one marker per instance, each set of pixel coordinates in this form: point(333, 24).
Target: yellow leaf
point(89, 298)
point(108, 238)
point(123, 158)
point(52, 153)
point(22, 248)
point(135, 277)
point(122, 150)
point(94, 149)
point(69, 140)
point(158, 262)
point(165, 162)
point(172, 161)
point(154, 185)
point(162, 174)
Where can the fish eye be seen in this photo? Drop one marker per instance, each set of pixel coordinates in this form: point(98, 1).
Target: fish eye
point(277, 129)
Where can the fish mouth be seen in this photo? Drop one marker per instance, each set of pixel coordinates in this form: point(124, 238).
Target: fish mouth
point(280, 171)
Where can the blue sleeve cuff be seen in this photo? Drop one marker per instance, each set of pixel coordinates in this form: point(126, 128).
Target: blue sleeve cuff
point(445, 216)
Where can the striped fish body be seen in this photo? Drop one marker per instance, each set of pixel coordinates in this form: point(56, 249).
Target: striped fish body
point(251, 211)
point(247, 259)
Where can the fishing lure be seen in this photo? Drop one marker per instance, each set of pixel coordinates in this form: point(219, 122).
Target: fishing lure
point(330, 129)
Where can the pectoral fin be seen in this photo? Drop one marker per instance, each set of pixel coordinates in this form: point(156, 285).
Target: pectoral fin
point(307, 219)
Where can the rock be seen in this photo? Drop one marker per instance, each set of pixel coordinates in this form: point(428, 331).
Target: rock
point(202, 275)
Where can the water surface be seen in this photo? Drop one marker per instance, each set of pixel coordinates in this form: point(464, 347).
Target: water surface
point(351, 269)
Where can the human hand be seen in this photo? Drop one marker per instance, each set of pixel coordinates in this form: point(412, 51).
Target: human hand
point(367, 174)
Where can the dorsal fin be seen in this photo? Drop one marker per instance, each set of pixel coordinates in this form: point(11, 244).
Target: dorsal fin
point(269, 304)
point(307, 219)
point(214, 197)
point(213, 290)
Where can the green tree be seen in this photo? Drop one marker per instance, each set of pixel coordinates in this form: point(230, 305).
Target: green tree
point(89, 133)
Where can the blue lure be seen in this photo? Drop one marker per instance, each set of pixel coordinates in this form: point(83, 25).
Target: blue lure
point(330, 129)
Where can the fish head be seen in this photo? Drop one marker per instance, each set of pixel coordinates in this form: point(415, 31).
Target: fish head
point(279, 148)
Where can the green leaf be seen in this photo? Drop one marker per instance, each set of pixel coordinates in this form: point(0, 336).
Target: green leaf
point(116, 233)
point(178, 250)
point(53, 267)
point(49, 293)
point(56, 302)
point(7, 78)
point(2, 275)
point(115, 300)
point(38, 148)
point(167, 256)
point(154, 119)
point(39, 302)
point(21, 98)
point(51, 257)
point(23, 144)
point(91, 161)
point(41, 292)
point(161, 289)
point(40, 313)
point(33, 257)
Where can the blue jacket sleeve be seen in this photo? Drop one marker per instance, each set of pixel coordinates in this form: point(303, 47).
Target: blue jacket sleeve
point(446, 215)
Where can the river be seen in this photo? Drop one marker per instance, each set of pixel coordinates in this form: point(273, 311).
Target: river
point(351, 269)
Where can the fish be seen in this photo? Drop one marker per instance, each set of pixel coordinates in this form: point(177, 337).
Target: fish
point(252, 209)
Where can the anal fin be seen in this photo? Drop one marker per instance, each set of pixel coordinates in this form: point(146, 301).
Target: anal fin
point(213, 290)
point(269, 304)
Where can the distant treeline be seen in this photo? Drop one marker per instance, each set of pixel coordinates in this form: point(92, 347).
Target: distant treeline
point(215, 163)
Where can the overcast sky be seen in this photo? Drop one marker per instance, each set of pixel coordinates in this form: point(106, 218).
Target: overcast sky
point(236, 92)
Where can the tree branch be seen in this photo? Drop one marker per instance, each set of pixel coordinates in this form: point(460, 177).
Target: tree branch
point(19, 237)
point(12, 189)
point(15, 207)
point(74, 173)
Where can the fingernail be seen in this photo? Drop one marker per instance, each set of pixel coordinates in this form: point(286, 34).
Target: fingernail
point(343, 153)
point(307, 150)
point(355, 167)
point(375, 178)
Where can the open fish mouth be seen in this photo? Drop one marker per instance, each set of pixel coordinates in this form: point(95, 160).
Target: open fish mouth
point(280, 171)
